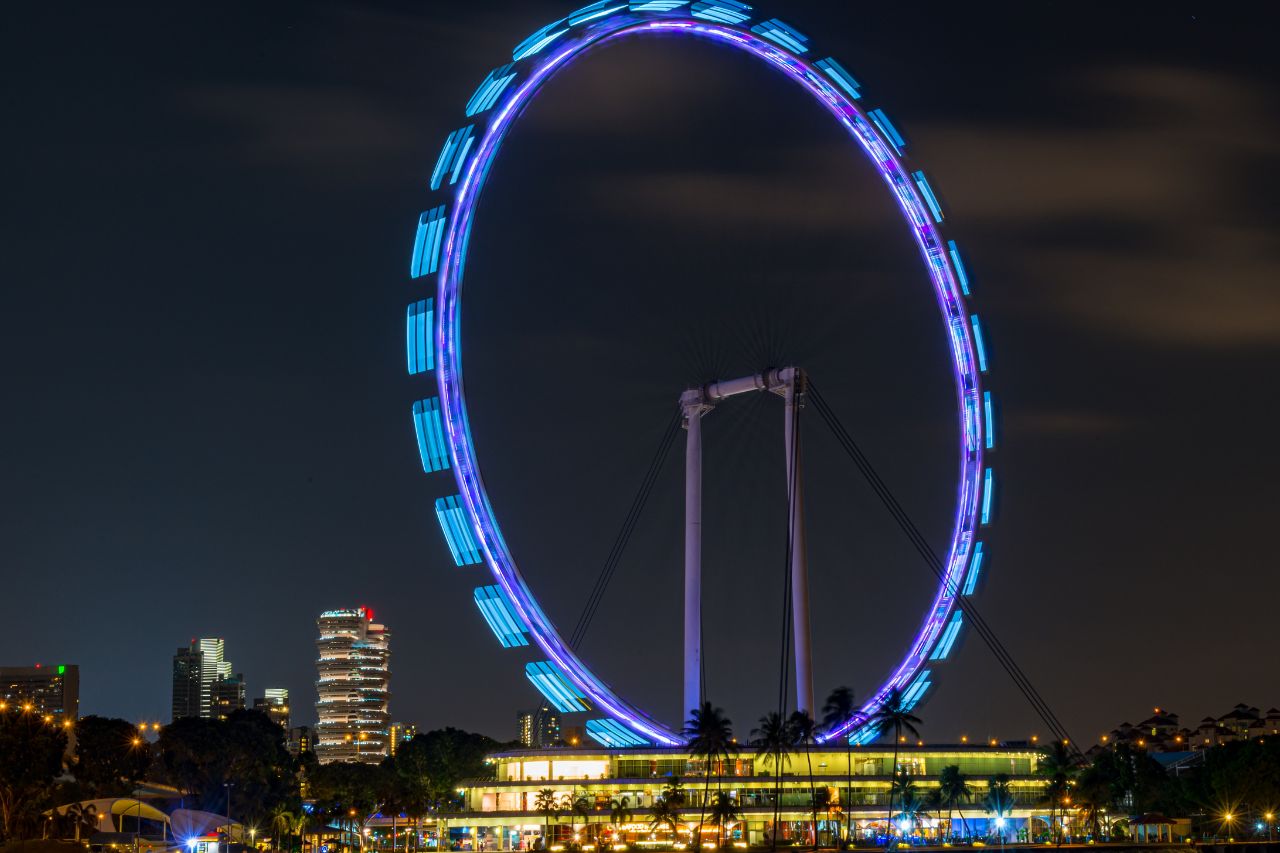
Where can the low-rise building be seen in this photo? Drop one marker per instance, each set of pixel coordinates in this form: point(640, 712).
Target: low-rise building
point(1162, 732)
point(620, 792)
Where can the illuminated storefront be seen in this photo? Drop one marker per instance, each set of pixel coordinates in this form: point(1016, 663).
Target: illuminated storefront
point(602, 798)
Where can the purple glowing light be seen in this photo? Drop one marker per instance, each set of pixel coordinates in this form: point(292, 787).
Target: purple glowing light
point(471, 487)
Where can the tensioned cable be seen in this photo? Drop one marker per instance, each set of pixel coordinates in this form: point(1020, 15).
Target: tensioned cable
point(624, 535)
point(1021, 681)
point(931, 559)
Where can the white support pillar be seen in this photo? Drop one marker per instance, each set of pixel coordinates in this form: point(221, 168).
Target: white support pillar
point(801, 638)
point(694, 404)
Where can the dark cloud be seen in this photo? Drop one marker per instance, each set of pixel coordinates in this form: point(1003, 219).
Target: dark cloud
point(207, 425)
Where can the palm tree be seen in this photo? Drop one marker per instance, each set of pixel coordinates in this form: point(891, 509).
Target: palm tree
point(299, 826)
point(999, 797)
point(953, 789)
point(894, 715)
point(82, 816)
point(619, 812)
point(724, 809)
point(281, 819)
point(774, 741)
point(828, 802)
point(710, 738)
point(673, 792)
point(1092, 794)
point(908, 796)
point(840, 707)
point(546, 803)
point(579, 805)
point(666, 809)
point(1059, 764)
point(803, 731)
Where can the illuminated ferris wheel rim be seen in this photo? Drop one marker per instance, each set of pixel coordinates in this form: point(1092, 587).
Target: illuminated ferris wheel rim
point(467, 519)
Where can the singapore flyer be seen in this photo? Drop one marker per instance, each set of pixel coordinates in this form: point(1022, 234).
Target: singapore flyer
point(469, 520)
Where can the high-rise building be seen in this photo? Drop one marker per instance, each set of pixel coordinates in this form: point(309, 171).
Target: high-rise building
point(539, 728)
point(196, 671)
point(353, 687)
point(401, 733)
point(299, 740)
point(227, 696)
point(186, 683)
point(274, 702)
point(50, 691)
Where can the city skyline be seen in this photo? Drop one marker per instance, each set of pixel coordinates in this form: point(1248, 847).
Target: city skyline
point(264, 443)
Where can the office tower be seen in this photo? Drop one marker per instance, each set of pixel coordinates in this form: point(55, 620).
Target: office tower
point(539, 728)
point(186, 683)
point(353, 669)
point(50, 691)
point(401, 733)
point(227, 696)
point(299, 740)
point(196, 670)
point(274, 702)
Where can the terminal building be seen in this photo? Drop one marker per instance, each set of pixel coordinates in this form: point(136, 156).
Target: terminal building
point(620, 794)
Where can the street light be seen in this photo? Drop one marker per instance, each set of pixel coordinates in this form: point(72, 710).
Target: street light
point(228, 786)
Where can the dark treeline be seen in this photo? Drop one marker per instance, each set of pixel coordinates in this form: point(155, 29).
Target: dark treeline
point(239, 766)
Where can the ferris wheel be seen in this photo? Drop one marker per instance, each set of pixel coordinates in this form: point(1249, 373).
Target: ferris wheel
point(468, 520)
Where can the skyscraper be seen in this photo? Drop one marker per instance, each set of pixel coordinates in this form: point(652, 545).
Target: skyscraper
point(186, 683)
point(353, 669)
point(539, 728)
point(227, 696)
point(50, 691)
point(197, 669)
point(274, 702)
point(401, 733)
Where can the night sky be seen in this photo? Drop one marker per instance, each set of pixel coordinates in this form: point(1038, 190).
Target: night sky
point(208, 214)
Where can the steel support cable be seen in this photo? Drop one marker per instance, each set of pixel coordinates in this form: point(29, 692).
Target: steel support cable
point(931, 559)
point(624, 535)
point(1021, 681)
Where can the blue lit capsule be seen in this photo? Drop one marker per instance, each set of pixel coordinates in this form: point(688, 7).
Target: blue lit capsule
point(887, 130)
point(988, 489)
point(418, 323)
point(989, 408)
point(721, 11)
point(781, 33)
point(612, 734)
point(594, 11)
point(452, 156)
point(975, 567)
point(948, 638)
point(657, 5)
point(427, 242)
point(555, 687)
point(457, 531)
point(978, 343)
point(929, 198)
point(913, 694)
point(488, 92)
point(961, 273)
point(429, 427)
point(843, 78)
point(500, 614)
